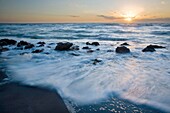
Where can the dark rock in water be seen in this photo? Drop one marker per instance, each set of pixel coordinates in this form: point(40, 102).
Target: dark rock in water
point(98, 49)
point(38, 51)
point(156, 46)
point(125, 44)
point(63, 46)
point(95, 61)
point(47, 53)
point(110, 50)
point(88, 43)
point(26, 44)
point(95, 43)
point(49, 46)
point(4, 42)
point(90, 51)
point(42, 43)
point(51, 43)
point(74, 54)
point(29, 46)
point(86, 47)
point(149, 49)
point(122, 49)
point(22, 43)
point(3, 49)
point(74, 48)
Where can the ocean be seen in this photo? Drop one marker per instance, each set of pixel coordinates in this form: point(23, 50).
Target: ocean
point(139, 77)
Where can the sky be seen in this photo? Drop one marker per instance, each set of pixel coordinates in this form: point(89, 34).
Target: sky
point(72, 11)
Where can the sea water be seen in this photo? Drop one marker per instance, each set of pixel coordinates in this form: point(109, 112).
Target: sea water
point(142, 78)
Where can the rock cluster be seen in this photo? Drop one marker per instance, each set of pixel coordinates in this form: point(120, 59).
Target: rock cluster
point(61, 46)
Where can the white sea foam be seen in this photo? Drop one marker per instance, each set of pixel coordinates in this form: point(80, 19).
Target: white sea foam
point(139, 77)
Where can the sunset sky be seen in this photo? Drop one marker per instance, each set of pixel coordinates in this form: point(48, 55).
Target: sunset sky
point(59, 11)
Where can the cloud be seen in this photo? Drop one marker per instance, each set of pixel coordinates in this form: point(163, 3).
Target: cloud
point(74, 16)
point(109, 17)
point(156, 19)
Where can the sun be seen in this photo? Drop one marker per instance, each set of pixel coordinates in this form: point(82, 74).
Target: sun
point(129, 16)
point(128, 19)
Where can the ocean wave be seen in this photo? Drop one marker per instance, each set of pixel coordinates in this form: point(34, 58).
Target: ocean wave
point(161, 33)
point(86, 35)
point(70, 31)
point(112, 39)
point(121, 31)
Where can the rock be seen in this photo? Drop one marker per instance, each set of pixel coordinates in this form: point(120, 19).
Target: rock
point(86, 47)
point(74, 54)
point(22, 43)
point(149, 49)
point(48, 46)
point(74, 48)
point(110, 50)
point(98, 49)
point(4, 42)
point(95, 43)
point(88, 43)
point(38, 51)
point(95, 61)
point(63, 46)
point(156, 46)
point(3, 49)
point(29, 46)
point(90, 51)
point(26, 44)
point(41, 43)
point(125, 44)
point(51, 43)
point(122, 49)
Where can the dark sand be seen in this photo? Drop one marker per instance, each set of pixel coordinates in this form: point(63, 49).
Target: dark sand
point(15, 98)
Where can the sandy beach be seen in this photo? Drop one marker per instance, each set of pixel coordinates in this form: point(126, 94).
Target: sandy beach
point(15, 98)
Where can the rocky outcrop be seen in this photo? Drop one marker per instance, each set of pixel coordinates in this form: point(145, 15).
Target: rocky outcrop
point(41, 43)
point(122, 49)
point(125, 44)
point(95, 61)
point(3, 49)
point(156, 46)
point(86, 47)
point(4, 42)
point(25, 44)
point(38, 51)
point(93, 43)
point(90, 51)
point(149, 49)
point(63, 46)
point(29, 46)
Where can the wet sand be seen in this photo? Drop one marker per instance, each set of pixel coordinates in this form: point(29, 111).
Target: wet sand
point(15, 98)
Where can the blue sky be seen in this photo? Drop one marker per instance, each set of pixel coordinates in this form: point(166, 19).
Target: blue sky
point(84, 10)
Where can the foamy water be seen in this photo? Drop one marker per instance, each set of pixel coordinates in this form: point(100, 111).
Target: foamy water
point(137, 76)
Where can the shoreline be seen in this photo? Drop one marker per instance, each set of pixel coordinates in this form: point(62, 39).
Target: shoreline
point(16, 98)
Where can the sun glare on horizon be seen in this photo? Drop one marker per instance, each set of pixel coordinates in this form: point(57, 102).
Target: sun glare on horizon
point(129, 16)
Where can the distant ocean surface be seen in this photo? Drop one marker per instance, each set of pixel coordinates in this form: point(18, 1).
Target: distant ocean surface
point(142, 78)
